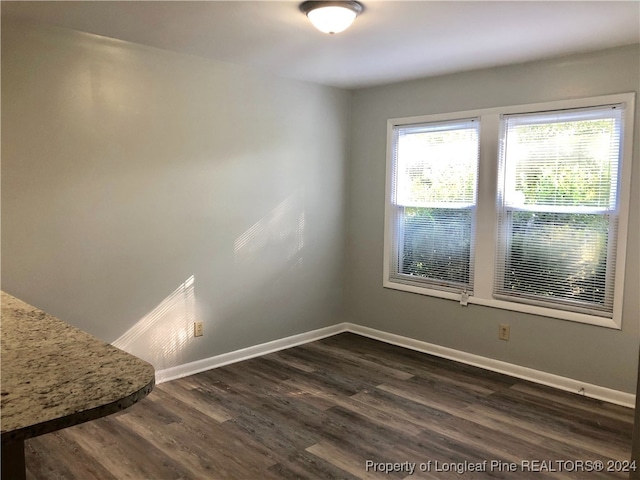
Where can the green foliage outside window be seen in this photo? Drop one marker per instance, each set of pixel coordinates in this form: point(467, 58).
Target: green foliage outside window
point(437, 243)
point(567, 164)
point(556, 255)
point(552, 255)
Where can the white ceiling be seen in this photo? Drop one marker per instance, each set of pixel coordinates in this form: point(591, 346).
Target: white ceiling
point(390, 41)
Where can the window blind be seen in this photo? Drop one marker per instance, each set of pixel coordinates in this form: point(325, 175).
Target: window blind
point(433, 196)
point(558, 208)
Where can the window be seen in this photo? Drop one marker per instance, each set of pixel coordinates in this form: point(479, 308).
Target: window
point(559, 207)
point(434, 193)
point(522, 208)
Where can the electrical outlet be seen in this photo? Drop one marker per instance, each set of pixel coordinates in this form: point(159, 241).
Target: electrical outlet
point(504, 331)
point(197, 329)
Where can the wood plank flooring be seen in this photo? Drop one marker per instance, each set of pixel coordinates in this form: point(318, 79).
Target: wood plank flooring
point(322, 410)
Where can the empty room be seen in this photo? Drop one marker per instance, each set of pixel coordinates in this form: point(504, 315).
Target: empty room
point(320, 239)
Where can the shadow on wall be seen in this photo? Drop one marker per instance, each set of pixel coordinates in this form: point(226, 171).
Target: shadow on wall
point(162, 335)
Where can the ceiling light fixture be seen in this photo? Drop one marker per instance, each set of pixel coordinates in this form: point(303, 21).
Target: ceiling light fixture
point(331, 17)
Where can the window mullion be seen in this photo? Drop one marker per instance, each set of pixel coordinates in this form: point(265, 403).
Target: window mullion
point(486, 218)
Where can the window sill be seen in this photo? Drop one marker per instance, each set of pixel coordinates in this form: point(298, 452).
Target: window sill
point(512, 306)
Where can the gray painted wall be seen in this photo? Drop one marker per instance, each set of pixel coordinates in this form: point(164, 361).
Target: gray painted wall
point(134, 179)
point(591, 354)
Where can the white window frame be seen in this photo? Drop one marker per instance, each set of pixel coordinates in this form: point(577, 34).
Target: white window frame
point(398, 244)
point(486, 221)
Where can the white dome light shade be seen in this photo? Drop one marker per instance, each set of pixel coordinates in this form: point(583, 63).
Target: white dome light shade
point(331, 17)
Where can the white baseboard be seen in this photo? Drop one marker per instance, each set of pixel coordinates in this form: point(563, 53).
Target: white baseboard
point(205, 364)
point(525, 373)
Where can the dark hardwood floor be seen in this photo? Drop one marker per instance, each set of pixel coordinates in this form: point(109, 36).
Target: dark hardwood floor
point(325, 409)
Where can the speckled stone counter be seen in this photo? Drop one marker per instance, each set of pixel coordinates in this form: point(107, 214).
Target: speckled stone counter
point(54, 375)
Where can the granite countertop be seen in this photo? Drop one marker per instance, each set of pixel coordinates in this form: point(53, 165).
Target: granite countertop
point(54, 375)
